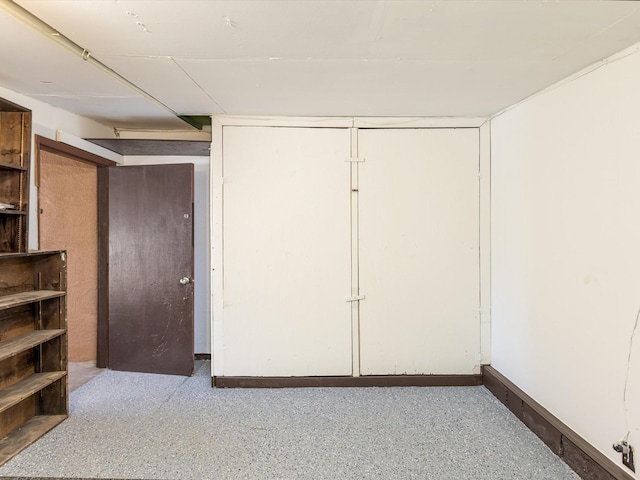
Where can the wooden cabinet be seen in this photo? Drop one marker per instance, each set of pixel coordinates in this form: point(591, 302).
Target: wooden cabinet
point(33, 309)
point(33, 348)
point(15, 143)
point(363, 268)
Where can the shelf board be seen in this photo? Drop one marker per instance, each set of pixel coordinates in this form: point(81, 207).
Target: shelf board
point(14, 394)
point(25, 435)
point(32, 254)
point(10, 166)
point(23, 343)
point(23, 298)
point(8, 211)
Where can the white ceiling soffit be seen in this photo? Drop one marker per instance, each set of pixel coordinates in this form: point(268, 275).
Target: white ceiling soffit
point(306, 57)
point(37, 67)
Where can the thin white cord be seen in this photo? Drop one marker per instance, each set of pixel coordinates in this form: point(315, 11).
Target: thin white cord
point(626, 382)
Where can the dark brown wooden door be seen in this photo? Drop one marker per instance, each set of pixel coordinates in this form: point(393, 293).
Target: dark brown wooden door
point(151, 269)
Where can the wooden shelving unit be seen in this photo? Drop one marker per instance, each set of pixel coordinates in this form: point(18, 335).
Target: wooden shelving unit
point(33, 348)
point(15, 145)
point(33, 309)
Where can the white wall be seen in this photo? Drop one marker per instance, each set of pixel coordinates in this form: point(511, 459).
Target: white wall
point(202, 273)
point(566, 250)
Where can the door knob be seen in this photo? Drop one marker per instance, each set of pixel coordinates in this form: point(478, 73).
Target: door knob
point(185, 280)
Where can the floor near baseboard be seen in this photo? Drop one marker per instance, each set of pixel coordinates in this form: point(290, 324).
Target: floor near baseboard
point(144, 426)
point(81, 372)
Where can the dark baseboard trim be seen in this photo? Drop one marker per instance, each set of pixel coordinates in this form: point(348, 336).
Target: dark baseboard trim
point(365, 381)
point(588, 462)
point(202, 356)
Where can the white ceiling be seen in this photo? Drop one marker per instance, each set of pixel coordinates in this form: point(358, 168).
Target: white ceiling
point(306, 57)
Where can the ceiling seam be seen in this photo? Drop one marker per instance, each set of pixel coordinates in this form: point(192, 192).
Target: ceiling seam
point(198, 85)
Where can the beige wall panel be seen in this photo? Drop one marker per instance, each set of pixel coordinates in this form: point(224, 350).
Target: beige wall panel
point(419, 247)
point(68, 221)
point(286, 247)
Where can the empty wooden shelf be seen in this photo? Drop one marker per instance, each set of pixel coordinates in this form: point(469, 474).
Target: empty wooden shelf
point(33, 347)
point(24, 298)
point(25, 435)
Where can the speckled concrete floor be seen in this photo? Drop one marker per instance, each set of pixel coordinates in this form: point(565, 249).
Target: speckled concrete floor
point(141, 426)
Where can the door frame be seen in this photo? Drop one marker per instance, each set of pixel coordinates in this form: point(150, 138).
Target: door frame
point(217, 178)
point(53, 146)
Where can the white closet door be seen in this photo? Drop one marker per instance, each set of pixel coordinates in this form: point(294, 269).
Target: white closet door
point(419, 247)
point(286, 230)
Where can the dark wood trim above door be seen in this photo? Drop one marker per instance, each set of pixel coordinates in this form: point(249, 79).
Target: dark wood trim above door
point(165, 148)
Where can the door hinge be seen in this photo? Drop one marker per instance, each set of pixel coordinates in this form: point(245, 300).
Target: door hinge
point(355, 298)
